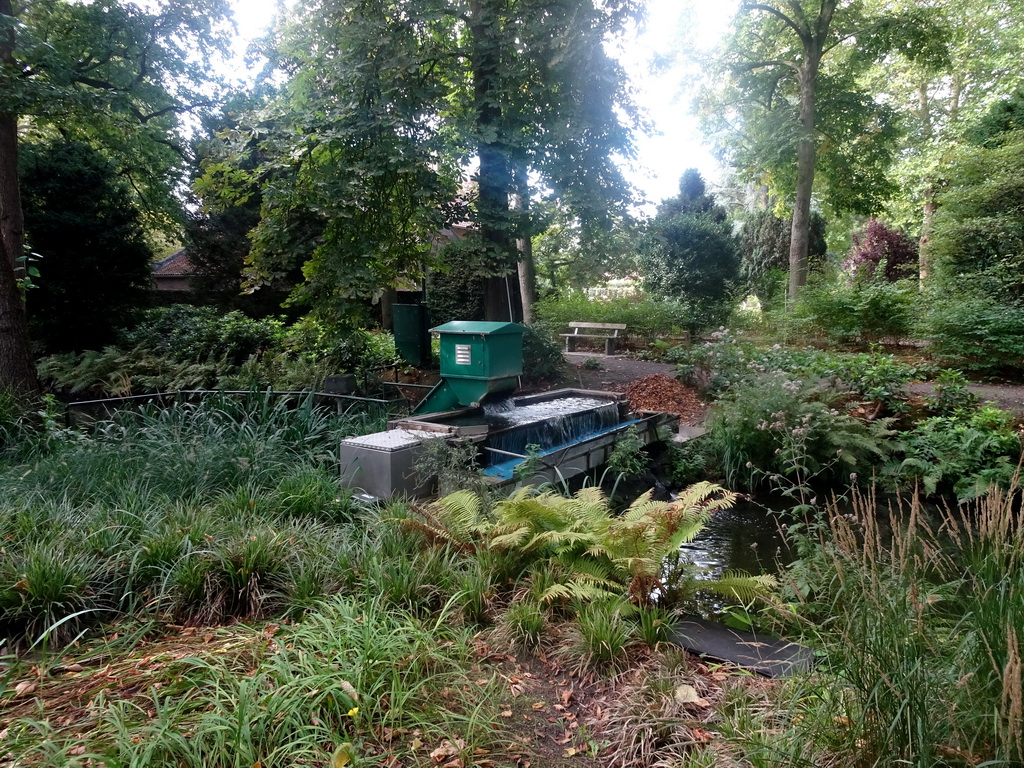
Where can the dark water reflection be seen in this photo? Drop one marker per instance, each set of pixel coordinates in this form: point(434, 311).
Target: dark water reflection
point(745, 538)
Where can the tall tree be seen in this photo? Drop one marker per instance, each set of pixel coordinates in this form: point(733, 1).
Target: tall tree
point(690, 253)
point(17, 370)
point(792, 85)
point(112, 74)
point(940, 100)
point(95, 267)
point(387, 106)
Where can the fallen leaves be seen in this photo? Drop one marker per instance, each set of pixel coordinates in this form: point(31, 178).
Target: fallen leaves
point(659, 392)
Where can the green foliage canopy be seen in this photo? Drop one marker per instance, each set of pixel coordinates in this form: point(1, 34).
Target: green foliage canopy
point(94, 267)
point(979, 227)
point(386, 107)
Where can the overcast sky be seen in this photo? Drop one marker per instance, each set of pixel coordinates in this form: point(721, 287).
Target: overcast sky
point(664, 92)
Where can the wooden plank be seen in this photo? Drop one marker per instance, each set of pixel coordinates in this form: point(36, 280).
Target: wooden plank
point(608, 326)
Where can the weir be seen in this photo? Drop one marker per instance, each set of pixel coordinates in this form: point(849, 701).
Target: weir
point(514, 428)
point(563, 433)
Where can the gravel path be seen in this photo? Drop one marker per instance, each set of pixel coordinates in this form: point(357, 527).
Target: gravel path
point(1009, 397)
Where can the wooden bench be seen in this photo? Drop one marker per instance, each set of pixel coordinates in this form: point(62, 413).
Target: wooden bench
point(610, 332)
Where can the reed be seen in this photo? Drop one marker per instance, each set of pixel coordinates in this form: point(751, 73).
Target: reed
point(917, 616)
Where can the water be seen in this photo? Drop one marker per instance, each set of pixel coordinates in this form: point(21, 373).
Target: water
point(547, 423)
point(745, 538)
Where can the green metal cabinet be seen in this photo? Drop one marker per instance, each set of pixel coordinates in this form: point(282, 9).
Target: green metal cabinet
point(477, 359)
point(479, 350)
point(412, 337)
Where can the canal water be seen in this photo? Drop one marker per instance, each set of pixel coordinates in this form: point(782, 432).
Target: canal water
point(747, 537)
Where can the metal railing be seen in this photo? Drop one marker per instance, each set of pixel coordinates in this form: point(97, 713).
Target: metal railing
point(343, 402)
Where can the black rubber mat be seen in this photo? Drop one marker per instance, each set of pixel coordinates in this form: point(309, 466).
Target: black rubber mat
point(767, 656)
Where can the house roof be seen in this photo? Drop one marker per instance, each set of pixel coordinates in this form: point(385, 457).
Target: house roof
point(175, 265)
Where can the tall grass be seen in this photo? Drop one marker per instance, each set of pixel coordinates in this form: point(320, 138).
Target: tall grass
point(919, 619)
point(197, 512)
point(356, 672)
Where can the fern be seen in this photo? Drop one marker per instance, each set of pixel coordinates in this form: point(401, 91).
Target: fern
point(741, 585)
point(577, 550)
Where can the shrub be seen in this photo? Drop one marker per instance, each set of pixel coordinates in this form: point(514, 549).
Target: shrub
point(542, 355)
point(879, 246)
point(951, 395)
point(764, 253)
point(978, 234)
point(185, 333)
point(962, 454)
point(456, 288)
point(776, 431)
point(876, 378)
point(644, 317)
point(82, 216)
point(859, 309)
point(975, 333)
point(690, 252)
point(725, 360)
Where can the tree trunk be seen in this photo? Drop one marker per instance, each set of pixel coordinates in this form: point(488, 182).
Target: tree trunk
point(494, 178)
point(800, 235)
point(17, 367)
point(924, 248)
point(12, 223)
point(524, 245)
point(387, 300)
point(813, 39)
point(956, 89)
point(924, 110)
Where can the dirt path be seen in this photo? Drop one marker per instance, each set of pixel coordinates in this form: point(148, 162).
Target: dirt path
point(618, 371)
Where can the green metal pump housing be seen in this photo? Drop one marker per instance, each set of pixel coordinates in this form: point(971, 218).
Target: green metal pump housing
point(478, 360)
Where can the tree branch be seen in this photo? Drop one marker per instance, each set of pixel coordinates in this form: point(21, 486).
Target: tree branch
point(767, 63)
point(802, 34)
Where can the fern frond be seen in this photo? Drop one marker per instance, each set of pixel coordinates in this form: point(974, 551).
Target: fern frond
point(513, 539)
point(741, 585)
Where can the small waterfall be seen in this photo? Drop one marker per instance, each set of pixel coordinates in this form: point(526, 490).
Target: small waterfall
point(549, 423)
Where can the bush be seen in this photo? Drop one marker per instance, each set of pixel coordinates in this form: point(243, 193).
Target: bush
point(880, 246)
point(725, 359)
point(876, 378)
point(975, 333)
point(764, 253)
point(643, 316)
point(860, 309)
point(542, 355)
point(962, 454)
point(83, 219)
point(186, 333)
point(978, 235)
point(690, 253)
point(456, 288)
point(774, 430)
